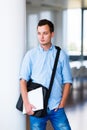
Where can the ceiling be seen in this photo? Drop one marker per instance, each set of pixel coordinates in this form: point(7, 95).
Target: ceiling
point(57, 4)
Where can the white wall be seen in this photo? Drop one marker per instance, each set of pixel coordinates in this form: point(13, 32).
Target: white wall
point(12, 48)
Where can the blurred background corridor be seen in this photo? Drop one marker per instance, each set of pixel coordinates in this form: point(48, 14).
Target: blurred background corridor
point(76, 108)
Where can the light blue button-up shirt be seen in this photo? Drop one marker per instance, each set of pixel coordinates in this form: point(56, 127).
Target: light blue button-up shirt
point(37, 65)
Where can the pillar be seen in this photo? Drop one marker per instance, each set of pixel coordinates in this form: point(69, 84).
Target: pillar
point(12, 49)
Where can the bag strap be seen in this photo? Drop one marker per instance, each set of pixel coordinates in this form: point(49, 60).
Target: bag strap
point(54, 69)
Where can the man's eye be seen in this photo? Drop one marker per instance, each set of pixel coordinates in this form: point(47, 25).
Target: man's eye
point(45, 33)
point(38, 33)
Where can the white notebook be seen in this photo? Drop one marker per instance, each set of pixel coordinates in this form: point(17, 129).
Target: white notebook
point(35, 98)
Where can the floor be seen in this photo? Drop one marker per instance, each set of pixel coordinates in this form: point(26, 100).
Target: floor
point(76, 108)
point(78, 117)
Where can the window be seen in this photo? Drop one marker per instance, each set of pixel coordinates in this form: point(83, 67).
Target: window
point(32, 20)
point(85, 33)
point(31, 28)
point(45, 14)
point(74, 31)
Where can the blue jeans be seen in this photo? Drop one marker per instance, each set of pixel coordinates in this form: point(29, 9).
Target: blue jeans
point(58, 120)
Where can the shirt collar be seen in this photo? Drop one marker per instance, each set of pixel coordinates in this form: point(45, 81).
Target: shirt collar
point(51, 48)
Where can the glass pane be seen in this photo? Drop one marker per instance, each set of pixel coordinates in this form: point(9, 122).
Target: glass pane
point(32, 20)
point(32, 30)
point(85, 33)
point(74, 31)
point(45, 15)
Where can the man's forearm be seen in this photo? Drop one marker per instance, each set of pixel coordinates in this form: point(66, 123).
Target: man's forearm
point(65, 95)
point(23, 85)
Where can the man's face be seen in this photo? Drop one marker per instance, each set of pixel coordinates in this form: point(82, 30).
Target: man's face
point(44, 34)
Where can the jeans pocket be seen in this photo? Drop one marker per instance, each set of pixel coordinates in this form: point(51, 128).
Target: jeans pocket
point(61, 108)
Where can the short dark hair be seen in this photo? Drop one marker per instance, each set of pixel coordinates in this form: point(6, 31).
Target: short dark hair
point(46, 22)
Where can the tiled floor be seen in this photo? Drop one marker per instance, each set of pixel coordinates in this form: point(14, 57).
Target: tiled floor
point(77, 108)
point(78, 117)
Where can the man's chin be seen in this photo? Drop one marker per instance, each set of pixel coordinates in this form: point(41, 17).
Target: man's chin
point(43, 44)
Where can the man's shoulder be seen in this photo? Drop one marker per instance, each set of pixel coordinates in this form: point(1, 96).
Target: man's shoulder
point(63, 53)
point(32, 50)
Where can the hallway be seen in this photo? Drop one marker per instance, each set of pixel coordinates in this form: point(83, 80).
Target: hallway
point(78, 116)
point(77, 107)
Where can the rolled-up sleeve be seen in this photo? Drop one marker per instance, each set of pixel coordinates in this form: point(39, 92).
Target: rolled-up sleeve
point(25, 70)
point(66, 70)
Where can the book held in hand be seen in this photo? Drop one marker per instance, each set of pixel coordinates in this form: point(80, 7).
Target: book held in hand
point(36, 99)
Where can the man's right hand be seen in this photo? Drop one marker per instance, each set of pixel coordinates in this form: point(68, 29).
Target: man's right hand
point(29, 109)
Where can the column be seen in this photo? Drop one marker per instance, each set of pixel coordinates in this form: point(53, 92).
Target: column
point(12, 49)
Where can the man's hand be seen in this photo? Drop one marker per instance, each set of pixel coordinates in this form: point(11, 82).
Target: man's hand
point(65, 95)
point(29, 109)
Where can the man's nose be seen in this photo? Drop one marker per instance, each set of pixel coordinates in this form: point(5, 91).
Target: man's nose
point(42, 36)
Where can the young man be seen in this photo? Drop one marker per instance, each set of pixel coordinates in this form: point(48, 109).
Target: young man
point(37, 65)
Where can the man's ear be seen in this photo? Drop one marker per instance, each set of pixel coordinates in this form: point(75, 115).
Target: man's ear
point(52, 34)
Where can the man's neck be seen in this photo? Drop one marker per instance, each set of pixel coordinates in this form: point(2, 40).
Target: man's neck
point(46, 46)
